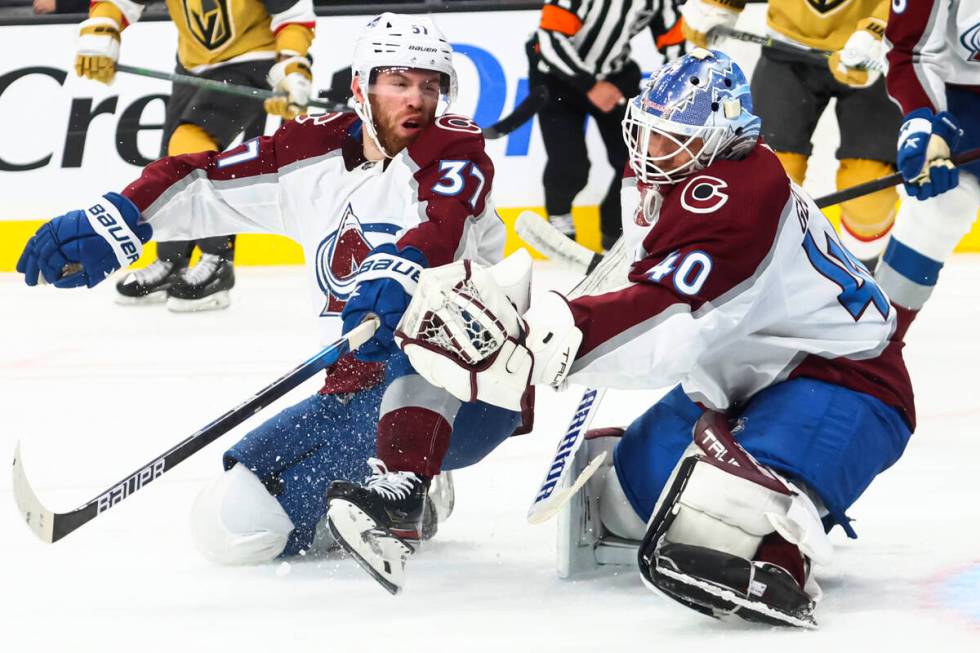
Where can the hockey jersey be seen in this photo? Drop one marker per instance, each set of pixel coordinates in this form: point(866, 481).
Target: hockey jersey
point(310, 182)
point(738, 282)
point(933, 43)
point(821, 24)
point(210, 34)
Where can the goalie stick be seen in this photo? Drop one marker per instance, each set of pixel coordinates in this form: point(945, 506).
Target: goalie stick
point(52, 526)
point(558, 488)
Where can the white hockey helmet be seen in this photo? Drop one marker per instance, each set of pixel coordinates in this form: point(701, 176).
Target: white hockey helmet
point(402, 41)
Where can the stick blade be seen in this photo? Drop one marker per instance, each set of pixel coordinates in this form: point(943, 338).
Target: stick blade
point(39, 519)
point(544, 510)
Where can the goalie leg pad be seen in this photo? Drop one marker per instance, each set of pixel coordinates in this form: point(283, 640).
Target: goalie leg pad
point(706, 530)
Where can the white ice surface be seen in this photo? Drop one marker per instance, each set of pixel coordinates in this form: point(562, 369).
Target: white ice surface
point(93, 391)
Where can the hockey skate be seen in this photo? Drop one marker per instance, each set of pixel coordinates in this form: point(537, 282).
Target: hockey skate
point(204, 287)
point(372, 521)
point(149, 285)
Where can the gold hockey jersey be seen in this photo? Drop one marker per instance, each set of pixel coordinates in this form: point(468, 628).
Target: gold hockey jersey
point(823, 24)
point(215, 32)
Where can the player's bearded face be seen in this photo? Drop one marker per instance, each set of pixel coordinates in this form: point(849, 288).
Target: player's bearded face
point(403, 103)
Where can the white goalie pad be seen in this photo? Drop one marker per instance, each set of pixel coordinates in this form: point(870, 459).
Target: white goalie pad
point(585, 544)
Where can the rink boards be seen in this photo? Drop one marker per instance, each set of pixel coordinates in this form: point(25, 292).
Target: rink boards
point(65, 140)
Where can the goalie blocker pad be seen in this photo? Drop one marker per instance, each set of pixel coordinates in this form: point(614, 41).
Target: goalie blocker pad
point(703, 545)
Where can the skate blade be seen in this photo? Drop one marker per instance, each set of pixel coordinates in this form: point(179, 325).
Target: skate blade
point(381, 555)
point(215, 302)
point(158, 297)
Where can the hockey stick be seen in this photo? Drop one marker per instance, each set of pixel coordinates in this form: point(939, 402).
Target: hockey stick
point(556, 489)
point(52, 526)
point(544, 237)
point(887, 181)
point(520, 115)
point(769, 42)
point(222, 87)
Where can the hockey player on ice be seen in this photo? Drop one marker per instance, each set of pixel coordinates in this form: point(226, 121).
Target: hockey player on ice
point(778, 342)
point(373, 199)
point(934, 75)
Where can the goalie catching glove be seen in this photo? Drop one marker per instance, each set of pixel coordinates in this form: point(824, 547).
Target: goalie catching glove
point(464, 331)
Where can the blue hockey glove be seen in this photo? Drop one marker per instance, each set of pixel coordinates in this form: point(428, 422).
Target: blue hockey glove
point(924, 146)
point(85, 245)
point(386, 282)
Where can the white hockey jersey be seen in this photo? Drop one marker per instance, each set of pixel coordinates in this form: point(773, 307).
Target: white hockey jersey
point(932, 43)
point(739, 282)
point(310, 182)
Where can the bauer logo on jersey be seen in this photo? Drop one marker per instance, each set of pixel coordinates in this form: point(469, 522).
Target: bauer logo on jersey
point(825, 6)
point(704, 194)
point(339, 256)
point(210, 22)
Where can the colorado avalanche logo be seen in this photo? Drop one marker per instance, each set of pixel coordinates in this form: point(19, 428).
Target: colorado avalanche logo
point(339, 256)
point(704, 194)
point(971, 41)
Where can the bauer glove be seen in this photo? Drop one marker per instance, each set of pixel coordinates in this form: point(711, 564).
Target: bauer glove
point(98, 49)
point(859, 63)
point(386, 281)
point(292, 81)
point(924, 146)
point(83, 247)
point(702, 16)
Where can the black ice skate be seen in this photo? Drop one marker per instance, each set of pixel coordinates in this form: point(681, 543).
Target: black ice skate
point(372, 521)
point(149, 285)
point(203, 287)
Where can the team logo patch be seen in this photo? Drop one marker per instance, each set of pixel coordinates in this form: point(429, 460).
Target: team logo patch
point(210, 22)
point(971, 41)
point(704, 194)
point(825, 6)
point(340, 254)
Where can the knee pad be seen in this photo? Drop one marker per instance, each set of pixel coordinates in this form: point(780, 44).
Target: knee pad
point(794, 164)
point(235, 521)
point(867, 220)
point(188, 138)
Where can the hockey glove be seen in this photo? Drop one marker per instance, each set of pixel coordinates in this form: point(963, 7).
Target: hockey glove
point(386, 282)
point(924, 146)
point(464, 332)
point(98, 49)
point(702, 16)
point(87, 245)
point(857, 63)
point(292, 80)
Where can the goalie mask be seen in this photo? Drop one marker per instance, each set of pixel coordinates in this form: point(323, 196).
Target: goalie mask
point(691, 112)
point(396, 42)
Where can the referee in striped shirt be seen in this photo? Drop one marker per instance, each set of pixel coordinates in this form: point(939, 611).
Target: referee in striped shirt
point(581, 53)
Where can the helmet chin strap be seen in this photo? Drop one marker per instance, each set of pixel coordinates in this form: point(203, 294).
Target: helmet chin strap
point(363, 111)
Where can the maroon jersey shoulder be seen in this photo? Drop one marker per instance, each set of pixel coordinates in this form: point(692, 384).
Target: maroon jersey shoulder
point(311, 136)
point(449, 136)
point(725, 217)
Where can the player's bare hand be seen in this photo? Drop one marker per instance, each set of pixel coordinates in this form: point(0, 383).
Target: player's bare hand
point(44, 6)
point(605, 96)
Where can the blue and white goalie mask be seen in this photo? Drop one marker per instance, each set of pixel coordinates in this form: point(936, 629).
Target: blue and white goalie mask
point(691, 111)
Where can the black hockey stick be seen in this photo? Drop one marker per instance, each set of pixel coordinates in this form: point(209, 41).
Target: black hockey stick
point(222, 87)
point(52, 526)
point(817, 55)
point(520, 115)
point(887, 181)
